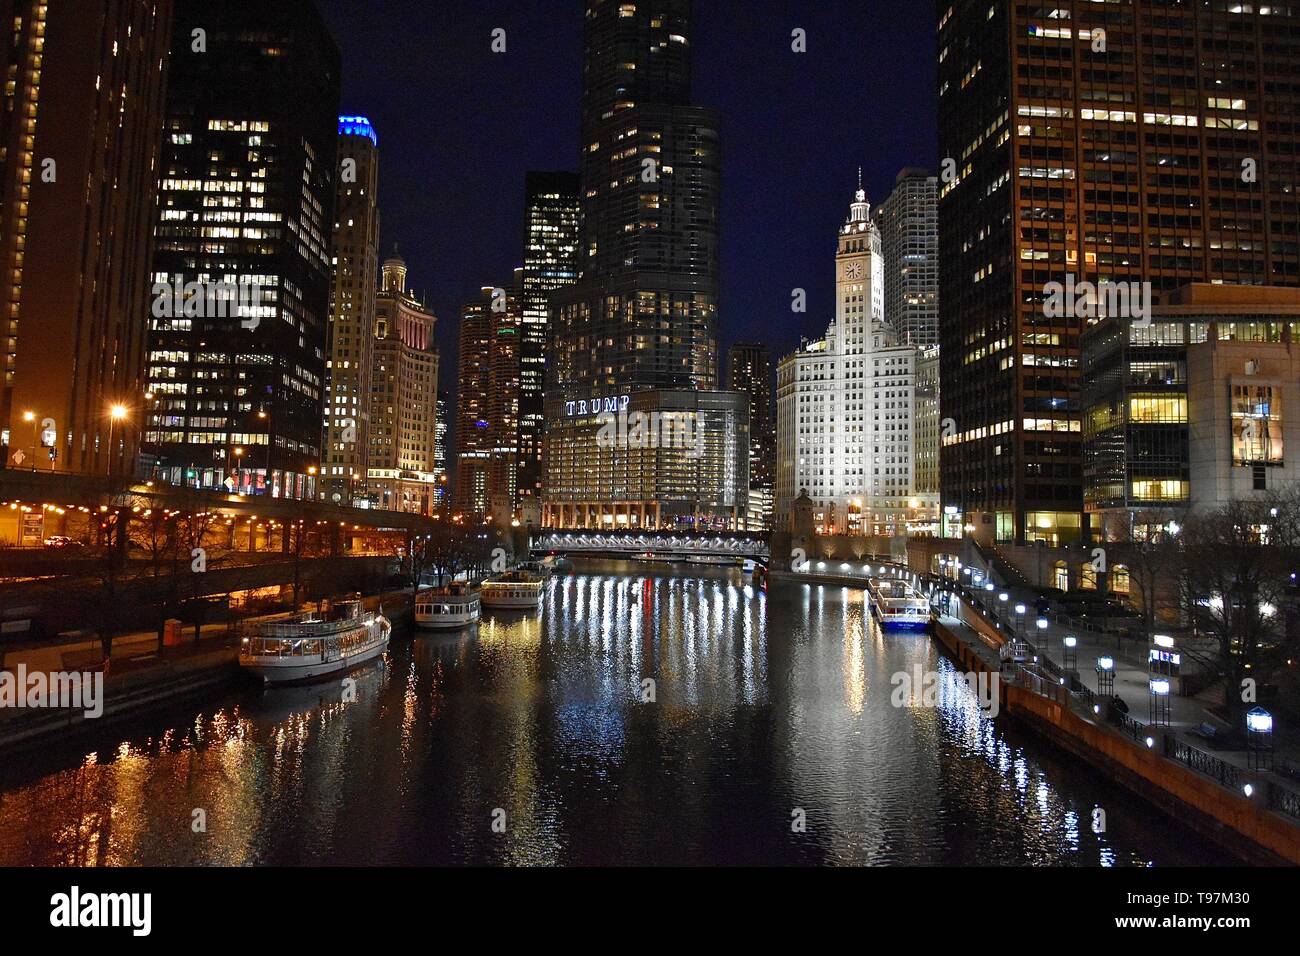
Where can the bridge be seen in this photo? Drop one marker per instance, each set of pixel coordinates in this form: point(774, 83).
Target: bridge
point(713, 544)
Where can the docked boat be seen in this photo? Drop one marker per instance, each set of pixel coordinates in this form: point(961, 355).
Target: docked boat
point(718, 560)
point(315, 645)
point(898, 605)
point(539, 568)
point(456, 605)
point(649, 557)
point(517, 590)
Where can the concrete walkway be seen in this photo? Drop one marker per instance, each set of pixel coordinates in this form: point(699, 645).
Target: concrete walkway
point(1131, 677)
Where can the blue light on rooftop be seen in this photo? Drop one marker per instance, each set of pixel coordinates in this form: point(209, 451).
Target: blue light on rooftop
point(357, 126)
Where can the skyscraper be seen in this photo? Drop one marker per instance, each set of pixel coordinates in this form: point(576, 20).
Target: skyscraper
point(80, 133)
point(637, 333)
point(473, 428)
point(441, 449)
point(550, 263)
point(236, 360)
point(846, 404)
point(749, 371)
point(909, 241)
point(351, 339)
point(1090, 143)
point(403, 399)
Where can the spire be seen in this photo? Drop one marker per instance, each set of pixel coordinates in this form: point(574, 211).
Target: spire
point(860, 209)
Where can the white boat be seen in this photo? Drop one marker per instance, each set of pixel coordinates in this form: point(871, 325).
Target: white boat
point(444, 608)
point(898, 605)
point(311, 646)
point(649, 557)
point(515, 590)
point(719, 560)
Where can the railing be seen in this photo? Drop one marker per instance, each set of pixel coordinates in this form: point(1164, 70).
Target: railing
point(1284, 801)
point(1202, 762)
point(1134, 728)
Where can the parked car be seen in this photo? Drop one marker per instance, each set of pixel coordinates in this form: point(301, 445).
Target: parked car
point(58, 541)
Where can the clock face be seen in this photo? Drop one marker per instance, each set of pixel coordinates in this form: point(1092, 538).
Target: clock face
point(853, 270)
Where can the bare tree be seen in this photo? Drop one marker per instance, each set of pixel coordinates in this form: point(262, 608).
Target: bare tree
point(194, 526)
point(1236, 564)
point(154, 532)
point(1152, 553)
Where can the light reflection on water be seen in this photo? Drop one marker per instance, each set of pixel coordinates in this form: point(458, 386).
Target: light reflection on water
point(764, 703)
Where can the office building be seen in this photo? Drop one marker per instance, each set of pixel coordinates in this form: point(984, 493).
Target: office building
point(236, 362)
point(550, 263)
point(908, 220)
point(1192, 411)
point(351, 335)
point(79, 147)
point(1111, 150)
point(749, 371)
point(846, 404)
point(643, 315)
point(403, 399)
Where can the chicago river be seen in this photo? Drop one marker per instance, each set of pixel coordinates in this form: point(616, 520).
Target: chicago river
point(769, 734)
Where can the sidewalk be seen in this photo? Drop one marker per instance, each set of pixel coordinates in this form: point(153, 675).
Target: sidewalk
point(1131, 676)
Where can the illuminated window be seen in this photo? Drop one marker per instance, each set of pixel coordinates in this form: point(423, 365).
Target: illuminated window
point(1256, 425)
point(1161, 409)
point(1119, 579)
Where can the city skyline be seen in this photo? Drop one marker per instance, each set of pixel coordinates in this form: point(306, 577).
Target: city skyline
point(426, 439)
point(774, 200)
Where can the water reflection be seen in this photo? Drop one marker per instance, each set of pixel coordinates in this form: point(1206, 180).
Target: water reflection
point(763, 705)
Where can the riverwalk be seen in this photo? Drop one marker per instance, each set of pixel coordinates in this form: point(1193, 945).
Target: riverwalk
point(1254, 813)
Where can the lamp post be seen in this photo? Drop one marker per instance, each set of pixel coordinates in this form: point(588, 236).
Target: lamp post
point(1069, 653)
point(36, 441)
point(1020, 618)
point(1106, 677)
point(116, 413)
point(1259, 739)
point(1158, 695)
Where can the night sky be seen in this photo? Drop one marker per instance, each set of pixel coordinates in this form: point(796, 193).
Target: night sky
point(459, 126)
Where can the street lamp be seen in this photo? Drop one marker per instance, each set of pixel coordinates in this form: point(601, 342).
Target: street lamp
point(1069, 653)
point(1106, 677)
point(1259, 739)
point(116, 413)
point(36, 441)
point(1158, 692)
point(1020, 618)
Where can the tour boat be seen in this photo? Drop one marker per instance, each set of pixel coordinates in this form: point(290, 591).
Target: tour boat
point(720, 560)
point(313, 645)
point(443, 608)
point(649, 557)
point(516, 590)
point(898, 605)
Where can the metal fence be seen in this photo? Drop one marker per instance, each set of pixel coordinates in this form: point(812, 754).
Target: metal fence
point(1284, 801)
point(1202, 762)
point(1134, 728)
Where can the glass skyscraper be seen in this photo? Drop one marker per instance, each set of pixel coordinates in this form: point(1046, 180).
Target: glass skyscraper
point(643, 315)
point(236, 362)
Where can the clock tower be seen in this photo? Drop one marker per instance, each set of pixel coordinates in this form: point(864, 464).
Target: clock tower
point(859, 279)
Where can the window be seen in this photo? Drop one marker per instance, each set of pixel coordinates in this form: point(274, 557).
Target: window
point(1119, 579)
point(1256, 425)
